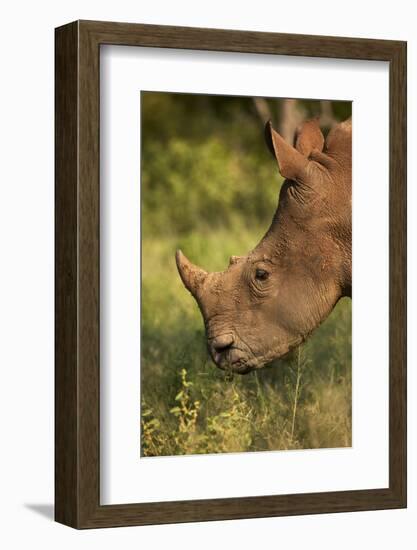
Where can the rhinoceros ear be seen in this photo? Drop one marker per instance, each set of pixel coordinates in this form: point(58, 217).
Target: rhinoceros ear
point(309, 137)
point(291, 163)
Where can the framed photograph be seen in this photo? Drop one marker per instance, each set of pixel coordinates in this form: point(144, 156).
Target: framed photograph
point(230, 274)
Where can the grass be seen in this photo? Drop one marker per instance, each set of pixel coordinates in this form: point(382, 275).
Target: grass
point(189, 406)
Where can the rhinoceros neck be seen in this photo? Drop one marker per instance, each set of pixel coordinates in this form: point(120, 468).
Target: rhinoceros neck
point(325, 234)
point(319, 264)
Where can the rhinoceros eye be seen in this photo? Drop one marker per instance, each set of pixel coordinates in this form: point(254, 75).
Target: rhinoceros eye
point(261, 274)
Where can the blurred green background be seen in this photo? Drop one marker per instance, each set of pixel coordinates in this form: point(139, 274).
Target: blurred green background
point(210, 187)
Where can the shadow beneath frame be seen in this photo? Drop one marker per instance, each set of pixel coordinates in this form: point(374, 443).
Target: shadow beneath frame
point(45, 510)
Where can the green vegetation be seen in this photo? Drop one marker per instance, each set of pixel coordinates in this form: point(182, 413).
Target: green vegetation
point(210, 187)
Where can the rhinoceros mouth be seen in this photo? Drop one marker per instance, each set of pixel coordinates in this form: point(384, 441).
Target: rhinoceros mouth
point(237, 358)
point(239, 366)
point(242, 361)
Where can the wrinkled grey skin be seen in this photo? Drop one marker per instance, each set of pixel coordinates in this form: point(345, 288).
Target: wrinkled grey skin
point(266, 303)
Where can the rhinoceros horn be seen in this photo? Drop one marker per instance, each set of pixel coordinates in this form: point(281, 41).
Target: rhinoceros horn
point(191, 275)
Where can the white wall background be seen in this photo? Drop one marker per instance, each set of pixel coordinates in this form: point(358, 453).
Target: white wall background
point(26, 274)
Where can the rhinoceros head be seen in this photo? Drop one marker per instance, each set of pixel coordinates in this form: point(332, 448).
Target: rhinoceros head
point(269, 301)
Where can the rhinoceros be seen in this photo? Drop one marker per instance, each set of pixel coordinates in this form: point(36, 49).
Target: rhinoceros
point(268, 302)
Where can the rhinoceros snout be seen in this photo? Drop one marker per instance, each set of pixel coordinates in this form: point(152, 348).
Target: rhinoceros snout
point(222, 343)
point(220, 348)
point(227, 354)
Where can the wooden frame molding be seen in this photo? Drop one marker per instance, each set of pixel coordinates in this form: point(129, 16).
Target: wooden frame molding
point(77, 406)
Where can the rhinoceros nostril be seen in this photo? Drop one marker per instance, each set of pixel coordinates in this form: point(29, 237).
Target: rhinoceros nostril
point(222, 343)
